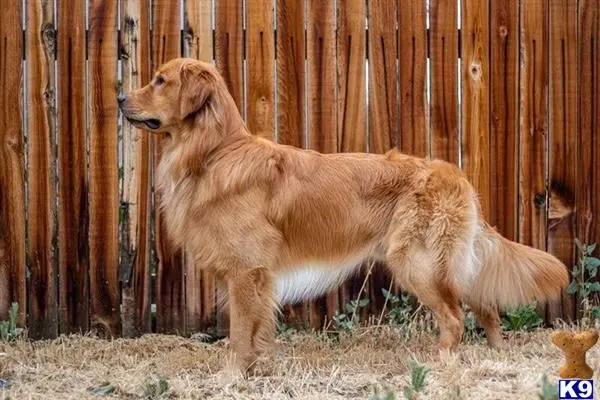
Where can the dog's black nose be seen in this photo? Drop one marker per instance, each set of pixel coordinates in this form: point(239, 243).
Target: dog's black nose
point(121, 98)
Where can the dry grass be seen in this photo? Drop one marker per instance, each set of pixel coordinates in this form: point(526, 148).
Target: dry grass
point(305, 367)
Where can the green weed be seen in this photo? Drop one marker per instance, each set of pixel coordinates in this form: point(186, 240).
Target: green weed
point(8, 329)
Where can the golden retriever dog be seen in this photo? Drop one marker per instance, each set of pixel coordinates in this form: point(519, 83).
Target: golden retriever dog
point(279, 224)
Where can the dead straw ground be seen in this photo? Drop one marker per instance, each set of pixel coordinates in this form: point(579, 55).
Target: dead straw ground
point(305, 366)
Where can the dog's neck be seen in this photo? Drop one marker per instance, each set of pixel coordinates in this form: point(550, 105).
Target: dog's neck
point(218, 124)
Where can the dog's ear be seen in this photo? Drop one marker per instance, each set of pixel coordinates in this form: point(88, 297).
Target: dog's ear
point(195, 88)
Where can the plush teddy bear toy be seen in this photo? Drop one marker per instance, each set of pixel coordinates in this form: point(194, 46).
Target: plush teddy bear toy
point(574, 346)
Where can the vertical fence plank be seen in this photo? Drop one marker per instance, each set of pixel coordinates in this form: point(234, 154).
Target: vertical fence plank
point(12, 196)
point(383, 76)
point(198, 39)
point(475, 100)
point(291, 73)
point(412, 53)
point(533, 123)
point(563, 138)
point(444, 80)
point(170, 301)
point(352, 100)
point(291, 97)
point(104, 179)
point(43, 317)
point(504, 110)
point(134, 209)
point(322, 121)
point(588, 173)
point(351, 57)
point(383, 108)
point(72, 176)
point(533, 136)
point(260, 56)
point(199, 285)
point(230, 47)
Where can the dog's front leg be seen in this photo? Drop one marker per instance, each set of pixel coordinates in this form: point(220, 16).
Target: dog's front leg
point(252, 314)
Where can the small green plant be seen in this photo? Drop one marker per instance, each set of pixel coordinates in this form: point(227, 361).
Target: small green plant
point(8, 329)
point(549, 391)
point(349, 319)
point(471, 330)
point(103, 389)
point(156, 389)
point(418, 374)
point(522, 318)
point(285, 332)
point(387, 396)
point(400, 308)
point(584, 282)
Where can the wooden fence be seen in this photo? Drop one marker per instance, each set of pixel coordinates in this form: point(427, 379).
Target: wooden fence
point(510, 91)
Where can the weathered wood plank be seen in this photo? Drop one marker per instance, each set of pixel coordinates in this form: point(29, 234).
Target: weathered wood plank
point(229, 47)
point(170, 300)
point(73, 216)
point(291, 97)
point(260, 59)
point(383, 111)
point(475, 98)
point(135, 197)
point(104, 175)
point(563, 136)
point(533, 124)
point(383, 74)
point(504, 109)
point(12, 188)
point(199, 285)
point(412, 49)
point(322, 114)
point(198, 38)
point(41, 194)
point(352, 99)
point(444, 80)
point(533, 135)
point(588, 156)
point(291, 73)
point(352, 86)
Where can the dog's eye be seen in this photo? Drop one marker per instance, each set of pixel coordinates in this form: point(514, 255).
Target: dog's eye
point(159, 81)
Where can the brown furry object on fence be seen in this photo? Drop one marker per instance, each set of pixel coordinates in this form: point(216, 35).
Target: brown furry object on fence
point(280, 224)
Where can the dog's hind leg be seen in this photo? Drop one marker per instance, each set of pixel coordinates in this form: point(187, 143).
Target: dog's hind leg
point(490, 321)
point(416, 271)
point(252, 315)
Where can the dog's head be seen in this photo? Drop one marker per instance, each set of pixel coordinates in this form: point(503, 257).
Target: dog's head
point(180, 88)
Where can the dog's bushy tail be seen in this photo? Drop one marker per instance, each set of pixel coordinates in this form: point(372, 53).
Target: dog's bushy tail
point(512, 274)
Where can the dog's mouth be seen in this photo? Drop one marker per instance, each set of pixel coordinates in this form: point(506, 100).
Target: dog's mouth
point(151, 123)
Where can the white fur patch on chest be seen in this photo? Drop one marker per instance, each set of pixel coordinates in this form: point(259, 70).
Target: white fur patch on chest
point(312, 280)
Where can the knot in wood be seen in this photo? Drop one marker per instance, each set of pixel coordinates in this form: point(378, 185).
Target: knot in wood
point(540, 200)
point(12, 142)
point(49, 37)
point(503, 31)
point(476, 70)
